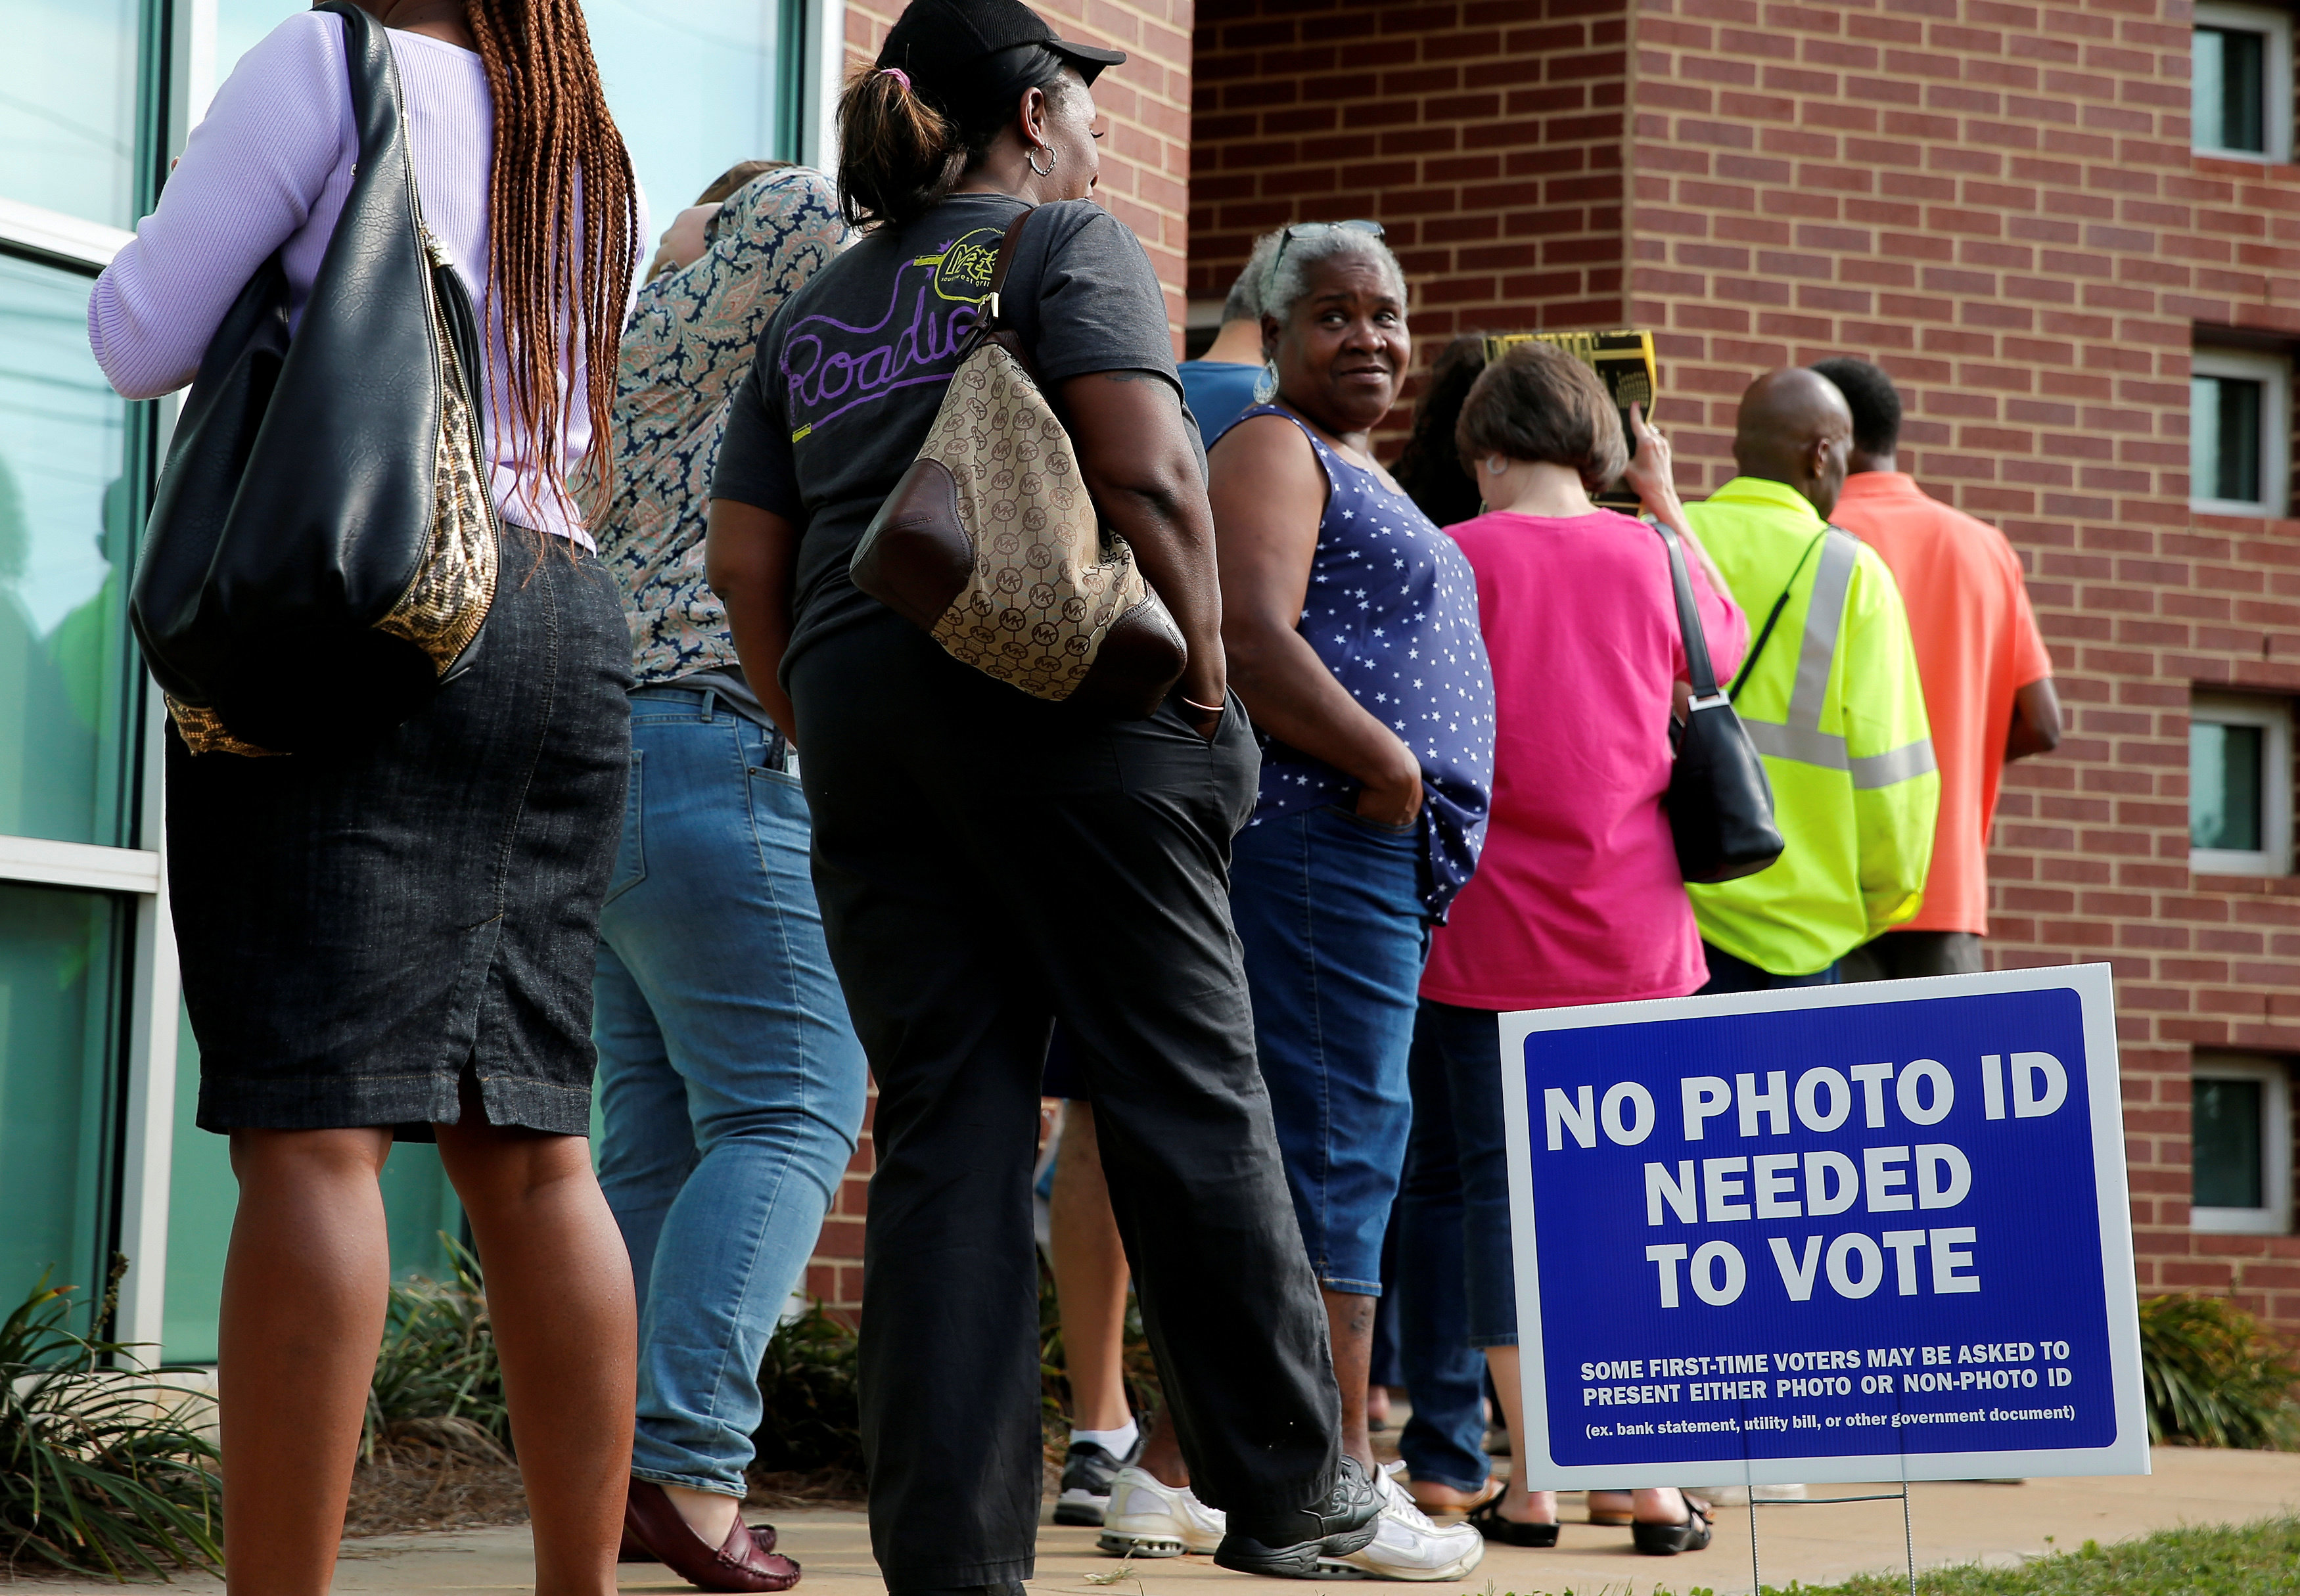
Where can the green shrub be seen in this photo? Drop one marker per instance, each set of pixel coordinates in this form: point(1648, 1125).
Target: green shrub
point(812, 1418)
point(2215, 1377)
point(102, 1470)
point(437, 1381)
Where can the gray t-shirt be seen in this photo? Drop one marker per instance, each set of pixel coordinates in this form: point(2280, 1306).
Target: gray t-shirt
point(851, 371)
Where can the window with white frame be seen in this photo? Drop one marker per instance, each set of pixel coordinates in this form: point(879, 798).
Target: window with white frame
point(2240, 1145)
point(2240, 785)
point(2239, 431)
point(2240, 82)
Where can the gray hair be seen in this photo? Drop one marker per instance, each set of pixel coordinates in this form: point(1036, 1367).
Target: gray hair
point(1244, 301)
point(1288, 278)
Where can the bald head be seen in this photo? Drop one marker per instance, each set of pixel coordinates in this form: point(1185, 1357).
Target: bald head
point(1795, 428)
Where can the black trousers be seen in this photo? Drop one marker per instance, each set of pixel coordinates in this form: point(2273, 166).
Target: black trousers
point(988, 863)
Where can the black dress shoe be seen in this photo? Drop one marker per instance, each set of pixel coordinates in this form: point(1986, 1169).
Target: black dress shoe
point(1287, 1545)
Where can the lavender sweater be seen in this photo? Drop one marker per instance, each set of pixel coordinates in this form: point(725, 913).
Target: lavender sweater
point(268, 169)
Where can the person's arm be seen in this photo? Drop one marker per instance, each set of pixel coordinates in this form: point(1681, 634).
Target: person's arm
point(248, 179)
point(750, 558)
point(1136, 458)
point(1269, 495)
point(2036, 720)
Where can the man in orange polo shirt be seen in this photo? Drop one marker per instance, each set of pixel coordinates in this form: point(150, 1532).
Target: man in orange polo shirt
point(1988, 680)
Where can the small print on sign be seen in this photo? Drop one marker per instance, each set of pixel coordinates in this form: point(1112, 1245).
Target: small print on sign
point(1838, 1232)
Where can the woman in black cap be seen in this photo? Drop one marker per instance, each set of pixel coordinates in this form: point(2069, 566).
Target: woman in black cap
point(989, 862)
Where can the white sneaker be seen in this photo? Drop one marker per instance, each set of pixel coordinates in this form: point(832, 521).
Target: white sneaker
point(1406, 1545)
point(1146, 1519)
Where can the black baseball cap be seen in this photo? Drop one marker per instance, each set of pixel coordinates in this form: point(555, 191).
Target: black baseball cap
point(959, 52)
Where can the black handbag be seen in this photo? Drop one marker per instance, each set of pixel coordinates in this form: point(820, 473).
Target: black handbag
point(323, 549)
point(1721, 806)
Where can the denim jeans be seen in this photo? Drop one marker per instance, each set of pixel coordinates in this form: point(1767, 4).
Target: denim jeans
point(1329, 908)
point(1457, 1279)
point(730, 1078)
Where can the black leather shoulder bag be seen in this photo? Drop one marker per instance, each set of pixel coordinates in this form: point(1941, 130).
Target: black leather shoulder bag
point(1721, 806)
point(322, 549)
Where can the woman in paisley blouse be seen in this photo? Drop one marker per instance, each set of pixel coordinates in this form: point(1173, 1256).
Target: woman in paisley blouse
point(730, 1078)
point(1352, 626)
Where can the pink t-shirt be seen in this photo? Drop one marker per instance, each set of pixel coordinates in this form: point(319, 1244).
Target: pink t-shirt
point(1577, 899)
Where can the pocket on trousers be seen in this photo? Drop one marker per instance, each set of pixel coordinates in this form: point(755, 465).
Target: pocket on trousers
point(630, 853)
point(1412, 829)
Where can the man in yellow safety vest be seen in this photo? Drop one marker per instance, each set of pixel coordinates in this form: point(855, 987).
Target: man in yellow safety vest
point(1830, 695)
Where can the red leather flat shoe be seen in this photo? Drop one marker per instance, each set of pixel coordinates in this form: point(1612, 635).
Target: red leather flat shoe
point(653, 1523)
point(762, 1536)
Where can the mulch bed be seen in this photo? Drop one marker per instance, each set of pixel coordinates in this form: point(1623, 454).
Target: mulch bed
point(413, 1488)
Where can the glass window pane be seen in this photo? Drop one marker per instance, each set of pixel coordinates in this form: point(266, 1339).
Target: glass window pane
point(68, 129)
point(695, 86)
point(241, 24)
point(55, 993)
point(2207, 88)
point(2227, 84)
point(2204, 435)
point(2225, 1144)
point(2224, 797)
point(2237, 454)
point(64, 508)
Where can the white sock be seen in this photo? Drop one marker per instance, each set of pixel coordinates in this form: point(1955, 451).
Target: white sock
point(1117, 1442)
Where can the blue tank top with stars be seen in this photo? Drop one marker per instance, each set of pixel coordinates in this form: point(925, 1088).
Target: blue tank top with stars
point(1392, 610)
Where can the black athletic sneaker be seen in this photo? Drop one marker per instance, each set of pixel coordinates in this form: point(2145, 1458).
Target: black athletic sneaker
point(1288, 1545)
point(1088, 1471)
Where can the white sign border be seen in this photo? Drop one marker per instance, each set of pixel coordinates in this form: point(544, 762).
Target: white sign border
point(2127, 1454)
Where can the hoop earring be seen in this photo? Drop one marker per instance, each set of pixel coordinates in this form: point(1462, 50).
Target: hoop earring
point(1052, 156)
point(1265, 387)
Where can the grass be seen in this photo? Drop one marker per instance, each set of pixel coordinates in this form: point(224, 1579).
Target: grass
point(2244, 1560)
point(102, 1470)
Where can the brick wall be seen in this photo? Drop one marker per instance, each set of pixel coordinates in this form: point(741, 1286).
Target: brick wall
point(1997, 204)
point(1145, 183)
point(1486, 137)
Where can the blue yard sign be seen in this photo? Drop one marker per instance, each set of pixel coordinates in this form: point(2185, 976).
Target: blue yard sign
point(1844, 1233)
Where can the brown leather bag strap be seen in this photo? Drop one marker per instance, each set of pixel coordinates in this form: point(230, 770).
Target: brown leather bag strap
point(1006, 247)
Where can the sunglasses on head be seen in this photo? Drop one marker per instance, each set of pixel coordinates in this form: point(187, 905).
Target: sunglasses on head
point(1304, 228)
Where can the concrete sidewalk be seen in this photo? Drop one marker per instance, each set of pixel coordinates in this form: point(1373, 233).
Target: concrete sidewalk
point(1818, 1543)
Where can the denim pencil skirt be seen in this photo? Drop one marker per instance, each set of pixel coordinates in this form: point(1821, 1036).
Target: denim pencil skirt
point(361, 927)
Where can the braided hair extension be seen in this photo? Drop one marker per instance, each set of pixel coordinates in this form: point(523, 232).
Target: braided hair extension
point(561, 182)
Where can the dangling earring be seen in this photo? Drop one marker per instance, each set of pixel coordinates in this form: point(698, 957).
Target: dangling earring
point(1052, 156)
point(1265, 387)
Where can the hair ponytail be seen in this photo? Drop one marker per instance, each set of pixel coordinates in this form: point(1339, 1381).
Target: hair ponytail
point(897, 155)
point(900, 155)
point(560, 251)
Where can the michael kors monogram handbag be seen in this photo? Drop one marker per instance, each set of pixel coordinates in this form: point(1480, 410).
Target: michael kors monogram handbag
point(990, 542)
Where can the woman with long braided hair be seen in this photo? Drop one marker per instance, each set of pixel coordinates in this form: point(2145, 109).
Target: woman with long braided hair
point(391, 937)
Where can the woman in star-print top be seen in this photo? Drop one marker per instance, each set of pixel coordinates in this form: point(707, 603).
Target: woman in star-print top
point(1351, 624)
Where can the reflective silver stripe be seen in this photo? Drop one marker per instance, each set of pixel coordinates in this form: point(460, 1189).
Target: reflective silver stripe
point(1823, 617)
point(1801, 743)
point(1900, 764)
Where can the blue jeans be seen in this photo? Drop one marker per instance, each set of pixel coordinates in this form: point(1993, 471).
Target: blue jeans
point(1458, 1278)
point(1730, 973)
point(730, 1078)
point(1329, 909)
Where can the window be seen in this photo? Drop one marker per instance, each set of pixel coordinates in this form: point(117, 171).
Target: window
point(2240, 785)
point(2240, 82)
point(2239, 445)
point(2240, 1146)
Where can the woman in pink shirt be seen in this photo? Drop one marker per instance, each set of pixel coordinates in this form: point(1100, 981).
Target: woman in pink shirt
point(1577, 899)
